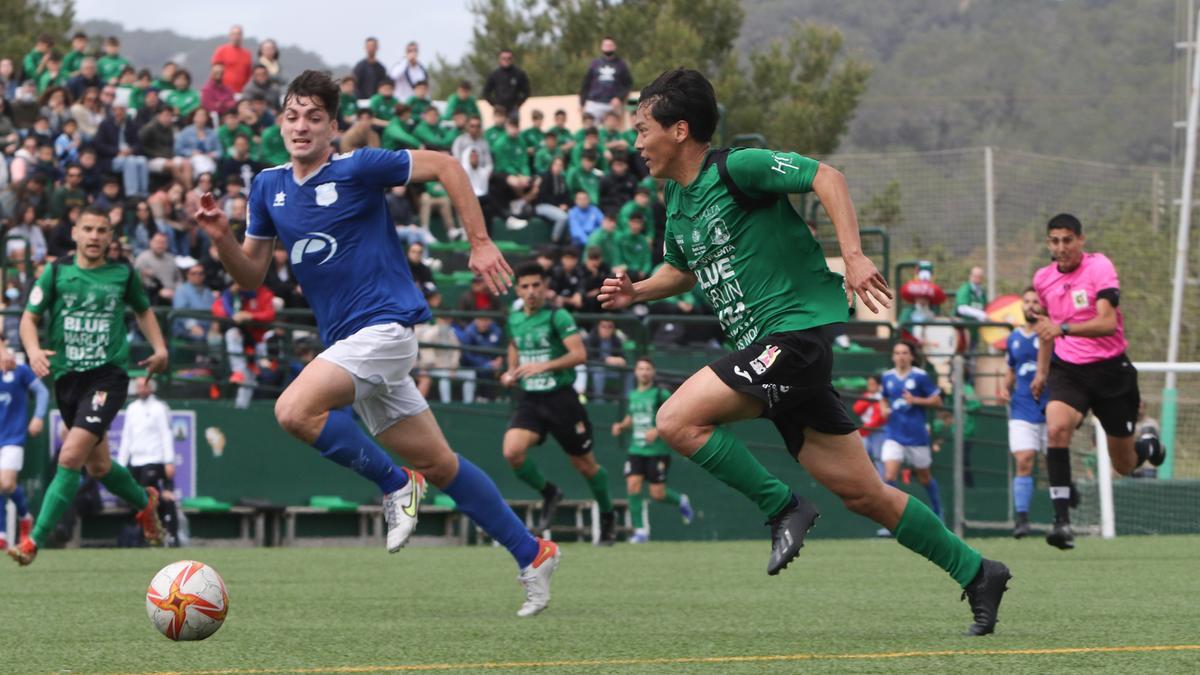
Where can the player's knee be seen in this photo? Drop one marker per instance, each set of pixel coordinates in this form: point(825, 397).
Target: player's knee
point(514, 454)
point(7, 485)
point(99, 467)
point(295, 419)
point(1059, 433)
point(674, 427)
point(585, 465)
point(658, 492)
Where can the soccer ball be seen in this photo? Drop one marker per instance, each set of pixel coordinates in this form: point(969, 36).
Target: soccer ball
point(187, 600)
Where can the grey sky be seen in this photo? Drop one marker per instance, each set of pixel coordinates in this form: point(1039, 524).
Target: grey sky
point(335, 29)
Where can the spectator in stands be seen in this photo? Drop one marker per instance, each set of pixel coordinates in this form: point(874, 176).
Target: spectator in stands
point(141, 228)
point(639, 204)
point(239, 162)
point(554, 199)
point(870, 412)
point(52, 76)
point(230, 127)
point(480, 175)
point(269, 58)
point(635, 249)
point(613, 139)
point(69, 194)
point(607, 82)
point(25, 239)
point(54, 108)
point(408, 72)
point(8, 79)
point(148, 448)
point(440, 362)
point(234, 59)
point(194, 296)
point(35, 61)
point(595, 271)
point(88, 113)
point(420, 101)
point(383, 102)
point(618, 186)
point(261, 84)
point(369, 72)
point(586, 177)
point(566, 279)
point(461, 101)
point(157, 141)
point(247, 311)
point(73, 59)
point(66, 146)
point(435, 196)
point(401, 211)
point(583, 219)
point(399, 131)
point(199, 144)
point(431, 134)
point(280, 279)
point(110, 198)
point(215, 95)
point(166, 77)
point(421, 274)
point(181, 96)
point(970, 303)
point(545, 152)
point(606, 344)
point(605, 239)
point(473, 139)
point(477, 298)
point(159, 273)
point(87, 77)
point(507, 85)
point(482, 333)
point(24, 106)
point(112, 63)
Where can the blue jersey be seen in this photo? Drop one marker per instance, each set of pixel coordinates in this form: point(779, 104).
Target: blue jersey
point(906, 423)
point(14, 404)
point(340, 239)
point(1022, 359)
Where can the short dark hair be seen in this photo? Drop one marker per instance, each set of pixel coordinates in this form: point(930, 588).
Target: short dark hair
point(530, 269)
point(465, 84)
point(645, 359)
point(1028, 289)
point(94, 210)
point(1065, 221)
point(683, 94)
point(316, 85)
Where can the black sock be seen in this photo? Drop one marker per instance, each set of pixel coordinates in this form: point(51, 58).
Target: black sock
point(1058, 466)
point(549, 490)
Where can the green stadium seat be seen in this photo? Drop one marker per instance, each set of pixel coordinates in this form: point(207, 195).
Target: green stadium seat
point(333, 503)
point(206, 504)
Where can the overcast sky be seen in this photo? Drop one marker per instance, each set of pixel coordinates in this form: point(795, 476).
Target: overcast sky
point(334, 29)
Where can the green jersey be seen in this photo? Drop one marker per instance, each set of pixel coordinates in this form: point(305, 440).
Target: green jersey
point(109, 67)
point(274, 152)
point(509, 156)
point(643, 407)
point(539, 338)
point(761, 268)
point(635, 252)
point(383, 107)
point(72, 61)
point(184, 101)
point(467, 106)
point(86, 329)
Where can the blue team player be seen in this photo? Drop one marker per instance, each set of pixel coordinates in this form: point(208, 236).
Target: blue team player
point(15, 422)
point(329, 212)
point(908, 392)
point(1026, 414)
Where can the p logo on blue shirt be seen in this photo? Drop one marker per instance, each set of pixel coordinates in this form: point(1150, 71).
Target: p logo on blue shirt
point(315, 242)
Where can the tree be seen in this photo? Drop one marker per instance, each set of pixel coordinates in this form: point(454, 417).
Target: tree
point(24, 20)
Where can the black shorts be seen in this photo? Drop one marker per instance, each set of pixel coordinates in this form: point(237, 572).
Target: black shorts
point(653, 468)
point(1108, 388)
point(91, 399)
point(558, 413)
point(792, 374)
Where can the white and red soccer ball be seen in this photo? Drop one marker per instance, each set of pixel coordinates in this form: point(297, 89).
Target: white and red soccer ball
point(187, 600)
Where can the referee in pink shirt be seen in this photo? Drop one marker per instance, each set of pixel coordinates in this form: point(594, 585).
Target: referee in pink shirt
point(1083, 363)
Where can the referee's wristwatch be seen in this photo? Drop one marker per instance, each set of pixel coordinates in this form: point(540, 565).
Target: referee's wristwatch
point(1065, 328)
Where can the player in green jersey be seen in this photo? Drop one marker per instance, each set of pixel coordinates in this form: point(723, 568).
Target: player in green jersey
point(544, 348)
point(731, 228)
point(649, 455)
point(84, 298)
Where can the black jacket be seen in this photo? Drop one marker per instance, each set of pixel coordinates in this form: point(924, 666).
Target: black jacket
point(107, 138)
point(508, 87)
point(553, 190)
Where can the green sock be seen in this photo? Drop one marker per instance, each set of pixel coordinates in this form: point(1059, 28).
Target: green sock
point(635, 510)
point(120, 482)
point(921, 531)
point(531, 475)
point(672, 497)
point(58, 497)
point(599, 486)
point(726, 458)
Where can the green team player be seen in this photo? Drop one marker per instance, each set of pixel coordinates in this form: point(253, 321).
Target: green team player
point(544, 348)
point(85, 299)
point(649, 456)
point(731, 228)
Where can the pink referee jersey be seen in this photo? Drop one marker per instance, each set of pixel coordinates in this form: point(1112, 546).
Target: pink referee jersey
point(1071, 298)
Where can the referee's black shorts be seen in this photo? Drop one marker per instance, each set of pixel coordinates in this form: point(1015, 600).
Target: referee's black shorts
point(1108, 388)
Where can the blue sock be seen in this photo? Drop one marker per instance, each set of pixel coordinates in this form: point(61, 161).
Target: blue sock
point(1023, 492)
point(476, 495)
point(935, 496)
point(18, 499)
point(890, 482)
point(342, 441)
point(3, 514)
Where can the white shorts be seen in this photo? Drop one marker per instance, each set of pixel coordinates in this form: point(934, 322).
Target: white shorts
point(916, 456)
point(12, 458)
point(1024, 435)
point(379, 358)
point(598, 110)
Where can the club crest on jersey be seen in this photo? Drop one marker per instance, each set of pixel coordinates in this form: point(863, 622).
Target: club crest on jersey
point(326, 194)
point(1079, 298)
point(98, 399)
point(765, 360)
point(279, 199)
point(9, 376)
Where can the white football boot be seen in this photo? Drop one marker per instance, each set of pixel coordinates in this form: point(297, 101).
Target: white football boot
point(536, 578)
point(400, 510)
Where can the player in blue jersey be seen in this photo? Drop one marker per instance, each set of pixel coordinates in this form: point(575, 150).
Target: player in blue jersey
point(15, 423)
point(1026, 413)
point(329, 212)
point(908, 392)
